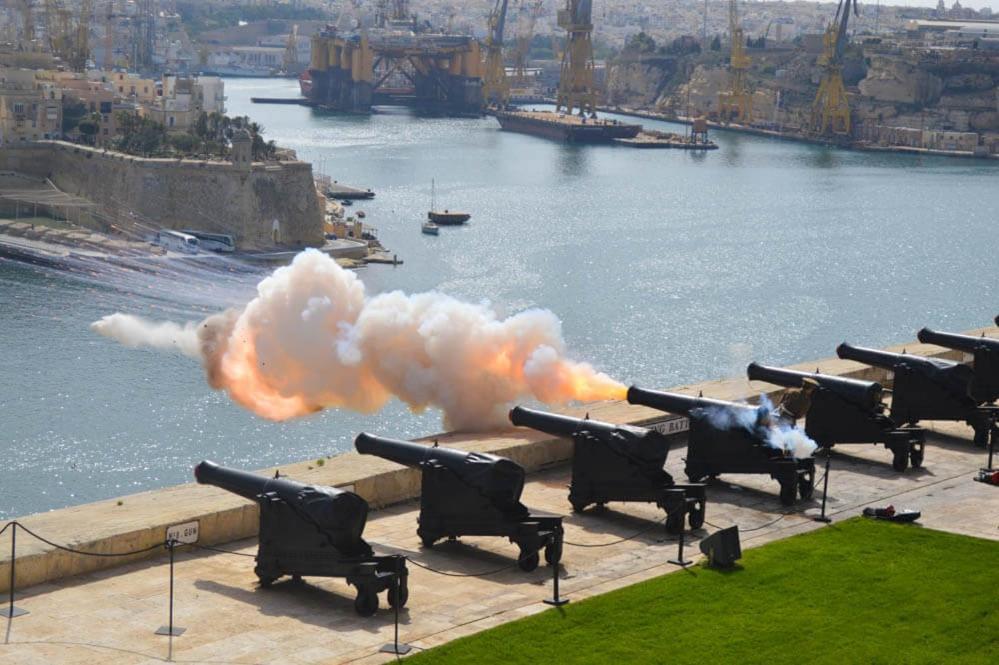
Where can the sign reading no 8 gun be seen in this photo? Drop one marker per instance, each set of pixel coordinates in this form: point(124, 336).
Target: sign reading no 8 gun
point(183, 534)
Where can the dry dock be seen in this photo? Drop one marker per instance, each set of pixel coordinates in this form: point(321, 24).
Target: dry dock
point(81, 614)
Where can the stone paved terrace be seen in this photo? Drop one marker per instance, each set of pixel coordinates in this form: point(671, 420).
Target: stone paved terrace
point(110, 616)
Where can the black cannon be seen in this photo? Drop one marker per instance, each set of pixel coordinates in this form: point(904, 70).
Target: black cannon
point(619, 463)
point(472, 494)
point(985, 360)
point(313, 530)
point(927, 388)
point(844, 410)
point(732, 438)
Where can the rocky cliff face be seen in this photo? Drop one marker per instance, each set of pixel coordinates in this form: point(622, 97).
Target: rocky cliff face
point(642, 82)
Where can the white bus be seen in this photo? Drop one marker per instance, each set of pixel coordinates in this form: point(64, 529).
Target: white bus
point(213, 242)
point(177, 241)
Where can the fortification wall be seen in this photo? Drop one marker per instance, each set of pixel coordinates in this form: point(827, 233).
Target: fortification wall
point(177, 194)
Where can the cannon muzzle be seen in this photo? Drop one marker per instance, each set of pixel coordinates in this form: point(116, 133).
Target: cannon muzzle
point(549, 423)
point(679, 404)
point(340, 514)
point(865, 394)
point(500, 479)
point(966, 343)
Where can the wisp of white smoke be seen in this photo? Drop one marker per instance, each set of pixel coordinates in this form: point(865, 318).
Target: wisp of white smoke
point(312, 339)
point(791, 440)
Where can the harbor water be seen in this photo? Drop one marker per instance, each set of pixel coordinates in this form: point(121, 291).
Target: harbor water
point(665, 267)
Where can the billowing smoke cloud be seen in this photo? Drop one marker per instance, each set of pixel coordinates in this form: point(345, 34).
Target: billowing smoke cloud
point(312, 339)
point(778, 434)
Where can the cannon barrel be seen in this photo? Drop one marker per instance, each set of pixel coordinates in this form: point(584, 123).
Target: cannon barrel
point(966, 343)
point(873, 357)
point(340, 514)
point(676, 403)
point(555, 424)
point(866, 394)
point(500, 479)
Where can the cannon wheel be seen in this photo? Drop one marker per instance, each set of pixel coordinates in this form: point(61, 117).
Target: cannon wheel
point(916, 458)
point(696, 517)
point(528, 562)
point(398, 599)
point(427, 539)
point(806, 485)
point(788, 492)
point(696, 475)
point(900, 461)
point(553, 551)
point(366, 602)
point(577, 505)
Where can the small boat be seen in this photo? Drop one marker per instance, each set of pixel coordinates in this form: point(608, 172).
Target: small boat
point(360, 214)
point(346, 202)
point(430, 228)
point(447, 217)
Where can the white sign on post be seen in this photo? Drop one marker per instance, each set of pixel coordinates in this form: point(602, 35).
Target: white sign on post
point(183, 534)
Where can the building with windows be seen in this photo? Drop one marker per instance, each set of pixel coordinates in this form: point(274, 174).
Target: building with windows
point(30, 107)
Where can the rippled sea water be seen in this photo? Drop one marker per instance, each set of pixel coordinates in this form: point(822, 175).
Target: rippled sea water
point(665, 268)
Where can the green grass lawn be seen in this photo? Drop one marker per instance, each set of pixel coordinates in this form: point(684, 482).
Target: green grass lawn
point(858, 591)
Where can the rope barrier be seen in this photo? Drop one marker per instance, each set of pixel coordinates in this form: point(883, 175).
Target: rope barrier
point(616, 542)
point(220, 550)
point(81, 552)
point(5, 527)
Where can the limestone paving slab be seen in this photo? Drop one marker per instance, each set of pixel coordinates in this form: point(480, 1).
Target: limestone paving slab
point(109, 616)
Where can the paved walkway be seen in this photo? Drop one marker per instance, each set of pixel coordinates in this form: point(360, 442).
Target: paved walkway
point(110, 616)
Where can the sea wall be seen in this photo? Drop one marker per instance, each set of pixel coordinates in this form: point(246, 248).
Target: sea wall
point(136, 193)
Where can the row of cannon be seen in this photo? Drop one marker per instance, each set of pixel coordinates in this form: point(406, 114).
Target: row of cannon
point(318, 531)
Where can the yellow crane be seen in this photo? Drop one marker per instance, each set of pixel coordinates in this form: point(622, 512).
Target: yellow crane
point(524, 37)
point(290, 58)
point(575, 87)
point(495, 87)
point(831, 108)
point(736, 103)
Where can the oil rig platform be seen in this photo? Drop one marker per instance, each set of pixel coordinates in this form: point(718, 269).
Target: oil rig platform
point(435, 73)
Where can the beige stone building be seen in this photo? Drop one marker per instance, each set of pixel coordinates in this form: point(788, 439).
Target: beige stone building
point(30, 107)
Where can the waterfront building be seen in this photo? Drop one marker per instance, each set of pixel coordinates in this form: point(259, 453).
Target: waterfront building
point(30, 106)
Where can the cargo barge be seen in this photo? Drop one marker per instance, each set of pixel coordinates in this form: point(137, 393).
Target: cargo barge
point(566, 128)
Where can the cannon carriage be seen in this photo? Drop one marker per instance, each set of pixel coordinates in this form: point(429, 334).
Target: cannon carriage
point(726, 437)
point(311, 530)
point(619, 463)
point(846, 411)
point(472, 494)
point(929, 389)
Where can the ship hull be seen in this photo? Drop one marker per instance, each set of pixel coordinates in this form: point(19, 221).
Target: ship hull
point(568, 131)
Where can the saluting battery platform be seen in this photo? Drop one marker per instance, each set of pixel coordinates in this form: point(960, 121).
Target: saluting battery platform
point(472, 494)
point(619, 463)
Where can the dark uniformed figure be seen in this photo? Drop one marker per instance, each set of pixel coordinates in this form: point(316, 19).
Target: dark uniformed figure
point(794, 404)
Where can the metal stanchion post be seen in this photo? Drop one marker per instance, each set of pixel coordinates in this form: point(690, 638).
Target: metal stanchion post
point(170, 630)
point(679, 560)
point(10, 611)
point(395, 647)
point(555, 601)
point(825, 488)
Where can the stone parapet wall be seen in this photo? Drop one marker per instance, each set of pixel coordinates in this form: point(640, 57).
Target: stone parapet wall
point(177, 194)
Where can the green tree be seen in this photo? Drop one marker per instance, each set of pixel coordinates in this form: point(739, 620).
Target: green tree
point(89, 127)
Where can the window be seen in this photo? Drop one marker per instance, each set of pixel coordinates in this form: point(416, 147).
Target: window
point(18, 108)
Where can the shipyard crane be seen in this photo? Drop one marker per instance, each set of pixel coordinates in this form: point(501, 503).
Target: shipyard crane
point(495, 87)
point(524, 38)
point(831, 108)
point(57, 29)
point(290, 58)
point(80, 50)
point(576, 91)
point(23, 7)
point(736, 104)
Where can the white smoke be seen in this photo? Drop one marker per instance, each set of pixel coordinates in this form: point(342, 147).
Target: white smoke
point(312, 339)
point(135, 332)
point(762, 420)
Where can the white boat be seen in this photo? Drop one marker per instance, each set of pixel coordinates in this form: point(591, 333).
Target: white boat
point(430, 228)
point(447, 217)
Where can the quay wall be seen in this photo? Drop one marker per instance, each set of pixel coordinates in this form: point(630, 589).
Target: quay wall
point(136, 193)
point(140, 520)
